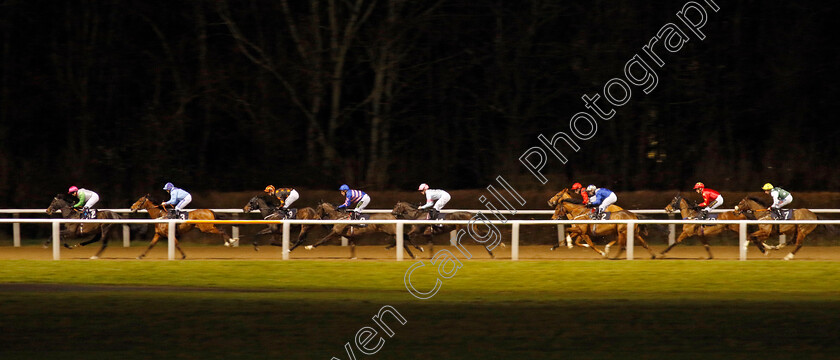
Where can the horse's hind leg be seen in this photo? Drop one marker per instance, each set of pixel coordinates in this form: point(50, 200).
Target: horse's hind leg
point(178, 246)
point(705, 241)
point(800, 240)
point(151, 245)
point(101, 248)
point(304, 230)
point(212, 229)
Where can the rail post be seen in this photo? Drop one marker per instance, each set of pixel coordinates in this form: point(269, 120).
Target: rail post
point(344, 241)
point(782, 239)
point(126, 235)
point(631, 235)
point(16, 231)
point(453, 238)
point(672, 230)
point(286, 230)
point(514, 241)
point(171, 239)
point(399, 241)
point(561, 234)
point(56, 240)
point(742, 241)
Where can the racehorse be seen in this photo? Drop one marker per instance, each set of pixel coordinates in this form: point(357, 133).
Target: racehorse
point(268, 210)
point(99, 231)
point(800, 231)
point(352, 232)
point(580, 212)
point(555, 201)
point(405, 210)
point(162, 230)
point(687, 211)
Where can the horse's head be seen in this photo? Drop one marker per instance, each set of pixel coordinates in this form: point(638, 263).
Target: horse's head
point(324, 209)
point(563, 194)
point(141, 203)
point(674, 205)
point(402, 208)
point(748, 205)
point(57, 204)
point(252, 204)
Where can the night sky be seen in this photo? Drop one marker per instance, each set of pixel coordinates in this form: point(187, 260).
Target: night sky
point(123, 96)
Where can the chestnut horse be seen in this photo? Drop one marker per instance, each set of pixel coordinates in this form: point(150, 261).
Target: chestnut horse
point(405, 210)
point(687, 211)
point(797, 231)
point(580, 212)
point(99, 231)
point(353, 232)
point(162, 230)
point(268, 210)
point(555, 201)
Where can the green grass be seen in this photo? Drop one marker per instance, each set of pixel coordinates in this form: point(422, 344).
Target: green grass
point(488, 310)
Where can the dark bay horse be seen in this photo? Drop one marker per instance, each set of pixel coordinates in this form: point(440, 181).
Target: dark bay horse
point(580, 212)
point(687, 211)
point(405, 210)
point(268, 210)
point(352, 233)
point(99, 231)
point(162, 230)
point(759, 210)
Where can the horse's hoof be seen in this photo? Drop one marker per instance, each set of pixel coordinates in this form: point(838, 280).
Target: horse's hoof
point(183, 257)
point(421, 249)
point(503, 244)
point(94, 257)
point(788, 257)
point(140, 257)
point(308, 247)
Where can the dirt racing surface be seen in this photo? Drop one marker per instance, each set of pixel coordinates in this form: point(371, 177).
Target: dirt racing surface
point(377, 252)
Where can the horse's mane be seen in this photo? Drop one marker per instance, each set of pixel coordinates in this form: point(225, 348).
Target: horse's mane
point(413, 206)
point(572, 200)
point(759, 201)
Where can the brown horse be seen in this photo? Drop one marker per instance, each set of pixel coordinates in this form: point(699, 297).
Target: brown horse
point(405, 210)
point(162, 230)
point(687, 211)
point(580, 212)
point(799, 232)
point(99, 231)
point(353, 232)
point(555, 201)
point(268, 210)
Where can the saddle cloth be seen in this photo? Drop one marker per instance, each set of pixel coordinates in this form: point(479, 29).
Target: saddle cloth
point(288, 214)
point(787, 214)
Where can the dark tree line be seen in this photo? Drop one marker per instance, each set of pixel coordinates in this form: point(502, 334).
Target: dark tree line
point(121, 96)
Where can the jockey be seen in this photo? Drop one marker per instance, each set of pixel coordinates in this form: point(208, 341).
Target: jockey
point(711, 199)
point(578, 189)
point(86, 198)
point(287, 196)
point(436, 199)
point(780, 198)
point(600, 198)
point(178, 197)
point(357, 197)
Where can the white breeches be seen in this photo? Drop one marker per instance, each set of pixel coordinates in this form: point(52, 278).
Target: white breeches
point(181, 205)
point(362, 204)
point(440, 203)
point(718, 202)
point(92, 200)
point(607, 202)
point(293, 195)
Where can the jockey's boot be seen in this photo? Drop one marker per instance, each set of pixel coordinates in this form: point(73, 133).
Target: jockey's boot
point(171, 214)
point(433, 213)
point(288, 213)
point(704, 214)
point(281, 213)
point(777, 213)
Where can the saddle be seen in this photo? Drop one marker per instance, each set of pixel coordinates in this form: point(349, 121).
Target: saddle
point(175, 214)
point(357, 216)
point(88, 214)
point(602, 216)
point(287, 214)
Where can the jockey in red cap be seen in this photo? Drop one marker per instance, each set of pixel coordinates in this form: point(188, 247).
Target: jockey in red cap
point(711, 199)
point(578, 188)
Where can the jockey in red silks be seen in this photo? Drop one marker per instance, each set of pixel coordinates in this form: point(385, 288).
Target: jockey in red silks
point(578, 189)
point(711, 199)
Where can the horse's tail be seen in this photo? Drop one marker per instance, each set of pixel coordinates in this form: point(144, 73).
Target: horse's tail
point(833, 229)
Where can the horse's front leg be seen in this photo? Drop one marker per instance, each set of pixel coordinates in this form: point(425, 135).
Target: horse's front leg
point(151, 245)
point(329, 237)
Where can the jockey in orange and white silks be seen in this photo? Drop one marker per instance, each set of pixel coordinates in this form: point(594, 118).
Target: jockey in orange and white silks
point(286, 196)
point(436, 199)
